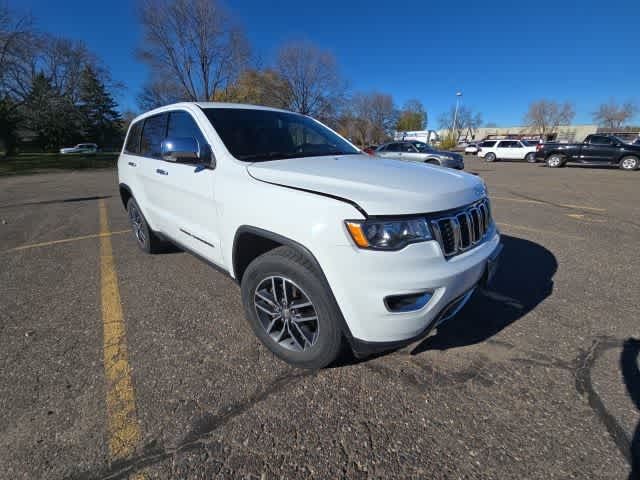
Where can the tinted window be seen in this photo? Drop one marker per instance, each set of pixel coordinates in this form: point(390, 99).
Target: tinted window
point(182, 125)
point(599, 140)
point(382, 148)
point(393, 147)
point(488, 143)
point(260, 135)
point(133, 140)
point(505, 144)
point(408, 148)
point(153, 133)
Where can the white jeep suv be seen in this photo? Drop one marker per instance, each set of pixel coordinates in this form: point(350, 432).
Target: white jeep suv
point(330, 247)
point(492, 150)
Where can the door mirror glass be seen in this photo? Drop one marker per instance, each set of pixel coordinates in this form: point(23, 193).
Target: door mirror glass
point(185, 149)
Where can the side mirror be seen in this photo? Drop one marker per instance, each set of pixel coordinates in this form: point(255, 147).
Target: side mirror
point(180, 149)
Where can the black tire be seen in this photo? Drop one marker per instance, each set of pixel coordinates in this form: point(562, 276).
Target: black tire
point(629, 163)
point(432, 161)
point(530, 157)
point(146, 238)
point(555, 161)
point(286, 263)
point(490, 157)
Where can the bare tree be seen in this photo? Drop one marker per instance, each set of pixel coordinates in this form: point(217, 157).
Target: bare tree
point(545, 116)
point(613, 115)
point(313, 83)
point(193, 45)
point(466, 121)
point(371, 117)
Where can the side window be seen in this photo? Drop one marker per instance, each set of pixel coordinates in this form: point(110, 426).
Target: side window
point(153, 133)
point(600, 140)
point(503, 145)
point(488, 144)
point(182, 125)
point(382, 148)
point(409, 148)
point(133, 140)
point(393, 147)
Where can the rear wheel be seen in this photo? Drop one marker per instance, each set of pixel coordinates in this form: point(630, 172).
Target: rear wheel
point(629, 163)
point(490, 157)
point(555, 161)
point(291, 310)
point(530, 157)
point(146, 238)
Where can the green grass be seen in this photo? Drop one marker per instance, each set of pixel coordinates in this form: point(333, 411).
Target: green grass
point(29, 163)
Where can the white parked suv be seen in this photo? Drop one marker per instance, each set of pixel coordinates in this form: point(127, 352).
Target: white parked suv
point(331, 248)
point(492, 150)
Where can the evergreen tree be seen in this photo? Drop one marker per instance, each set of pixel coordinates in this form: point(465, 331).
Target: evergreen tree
point(51, 117)
point(102, 122)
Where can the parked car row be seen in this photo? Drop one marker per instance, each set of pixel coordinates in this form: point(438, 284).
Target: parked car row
point(596, 149)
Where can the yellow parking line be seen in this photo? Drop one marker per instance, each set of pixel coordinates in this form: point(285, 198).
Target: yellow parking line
point(122, 422)
point(65, 240)
point(538, 202)
point(537, 230)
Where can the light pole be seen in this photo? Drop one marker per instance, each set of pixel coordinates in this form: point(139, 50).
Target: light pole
point(455, 115)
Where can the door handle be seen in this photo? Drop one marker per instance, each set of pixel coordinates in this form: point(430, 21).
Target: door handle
point(132, 164)
point(161, 172)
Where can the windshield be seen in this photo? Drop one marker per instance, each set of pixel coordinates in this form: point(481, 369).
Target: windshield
point(259, 135)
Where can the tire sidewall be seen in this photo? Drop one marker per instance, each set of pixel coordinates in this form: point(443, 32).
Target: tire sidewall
point(530, 157)
point(627, 157)
point(146, 246)
point(328, 344)
point(490, 157)
point(554, 166)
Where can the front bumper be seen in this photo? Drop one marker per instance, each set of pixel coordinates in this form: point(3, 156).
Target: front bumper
point(366, 278)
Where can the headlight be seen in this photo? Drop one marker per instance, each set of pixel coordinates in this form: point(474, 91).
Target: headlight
point(388, 234)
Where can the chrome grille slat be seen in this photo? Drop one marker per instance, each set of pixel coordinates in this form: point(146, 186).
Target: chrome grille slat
point(462, 230)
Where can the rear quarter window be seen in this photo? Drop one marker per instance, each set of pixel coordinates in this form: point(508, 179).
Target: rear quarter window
point(132, 144)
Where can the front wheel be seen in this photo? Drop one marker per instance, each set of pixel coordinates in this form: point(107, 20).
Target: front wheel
point(490, 157)
point(530, 157)
point(629, 163)
point(555, 161)
point(291, 310)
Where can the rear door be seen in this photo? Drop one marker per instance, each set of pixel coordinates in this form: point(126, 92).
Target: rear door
point(393, 150)
point(149, 169)
point(184, 192)
point(503, 150)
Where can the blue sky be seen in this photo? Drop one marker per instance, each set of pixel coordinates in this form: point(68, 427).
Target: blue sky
point(501, 55)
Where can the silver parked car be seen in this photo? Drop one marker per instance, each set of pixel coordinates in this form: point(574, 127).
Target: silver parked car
point(81, 148)
point(415, 151)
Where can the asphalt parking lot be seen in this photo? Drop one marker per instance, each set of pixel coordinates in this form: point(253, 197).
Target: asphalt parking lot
point(537, 378)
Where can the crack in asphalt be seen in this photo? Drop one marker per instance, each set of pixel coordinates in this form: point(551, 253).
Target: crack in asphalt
point(580, 368)
point(153, 453)
point(584, 386)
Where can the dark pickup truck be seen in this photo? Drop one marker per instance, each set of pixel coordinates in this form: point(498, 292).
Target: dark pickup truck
point(595, 150)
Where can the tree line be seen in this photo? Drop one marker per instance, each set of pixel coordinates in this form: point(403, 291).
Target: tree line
point(54, 91)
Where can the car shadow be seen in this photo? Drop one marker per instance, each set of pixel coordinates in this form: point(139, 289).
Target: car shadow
point(523, 280)
point(631, 374)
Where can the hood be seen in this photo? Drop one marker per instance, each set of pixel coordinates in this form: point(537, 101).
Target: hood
point(379, 186)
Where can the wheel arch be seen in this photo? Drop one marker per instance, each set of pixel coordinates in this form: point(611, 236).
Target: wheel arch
point(249, 242)
point(125, 194)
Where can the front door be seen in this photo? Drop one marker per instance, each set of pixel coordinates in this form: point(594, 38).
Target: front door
point(597, 150)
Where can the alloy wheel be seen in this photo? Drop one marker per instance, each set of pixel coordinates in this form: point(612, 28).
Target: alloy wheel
point(286, 313)
point(629, 163)
point(137, 223)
